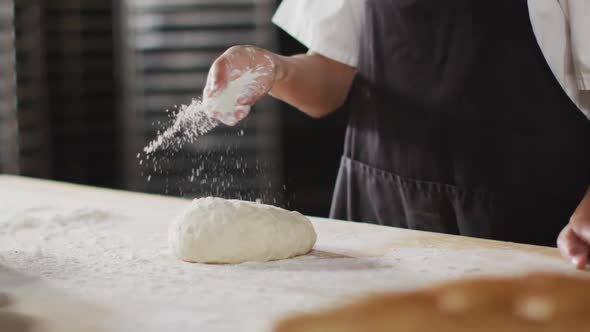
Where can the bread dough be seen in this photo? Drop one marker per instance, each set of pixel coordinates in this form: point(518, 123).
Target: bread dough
point(215, 230)
point(536, 302)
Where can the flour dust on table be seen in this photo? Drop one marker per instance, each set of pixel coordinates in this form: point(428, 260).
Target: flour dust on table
point(215, 230)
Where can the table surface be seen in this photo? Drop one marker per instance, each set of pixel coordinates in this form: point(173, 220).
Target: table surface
point(88, 259)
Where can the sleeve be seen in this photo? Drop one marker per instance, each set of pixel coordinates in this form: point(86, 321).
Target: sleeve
point(331, 28)
point(579, 17)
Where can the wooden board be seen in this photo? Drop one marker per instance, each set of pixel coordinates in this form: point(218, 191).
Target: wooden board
point(89, 259)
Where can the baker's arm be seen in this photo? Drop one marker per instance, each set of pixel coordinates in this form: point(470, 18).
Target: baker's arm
point(310, 82)
point(574, 240)
point(313, 83)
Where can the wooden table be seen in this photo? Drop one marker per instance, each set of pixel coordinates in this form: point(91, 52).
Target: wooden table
point(76, 258)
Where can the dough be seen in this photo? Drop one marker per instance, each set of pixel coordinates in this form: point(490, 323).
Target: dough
point(536, 302)
point(215, 230)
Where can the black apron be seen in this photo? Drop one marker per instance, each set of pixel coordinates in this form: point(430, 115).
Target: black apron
point(458, 125)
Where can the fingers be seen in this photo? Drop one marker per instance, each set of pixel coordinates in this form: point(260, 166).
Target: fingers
point(241, 112)
point(581, 226)
point(256, 91)
point(243, 100)
point(217, 78)
point(581, 229)
point(246, 100)
point(573, 248)
point(231, 119)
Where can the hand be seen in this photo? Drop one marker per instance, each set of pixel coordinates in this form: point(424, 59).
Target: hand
point(574, 242)
point(230, 66)
point(574, 239)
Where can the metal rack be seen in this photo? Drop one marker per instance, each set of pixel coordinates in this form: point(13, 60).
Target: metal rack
point(82, 95)
point(57, 72)
point(23, 117)
point(9, 158)
point(166, 49)
point(33, 114)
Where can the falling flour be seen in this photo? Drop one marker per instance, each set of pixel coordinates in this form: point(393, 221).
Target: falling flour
point(190, 122)
point(201, 116)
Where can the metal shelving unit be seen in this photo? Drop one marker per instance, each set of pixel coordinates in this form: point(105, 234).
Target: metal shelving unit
point(166, 49)
point(9, 157)
point(78, 35)
point(23, 117)
point(33, 116)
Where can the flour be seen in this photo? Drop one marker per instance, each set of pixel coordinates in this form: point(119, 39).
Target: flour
point(190, 122)
point(121, 263)
point(202, 116)
point(49, 219)
point(224, 106)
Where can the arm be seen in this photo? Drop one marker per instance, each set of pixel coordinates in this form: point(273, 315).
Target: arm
point(312, 83)
point(574, 240)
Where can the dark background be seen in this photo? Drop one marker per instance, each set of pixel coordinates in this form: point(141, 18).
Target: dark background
point(311, 150)
point(63, 100)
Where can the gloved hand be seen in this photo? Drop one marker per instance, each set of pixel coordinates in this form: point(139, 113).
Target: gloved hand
point(229, 67)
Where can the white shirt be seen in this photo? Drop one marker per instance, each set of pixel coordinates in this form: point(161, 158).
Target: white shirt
point(333, 29)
